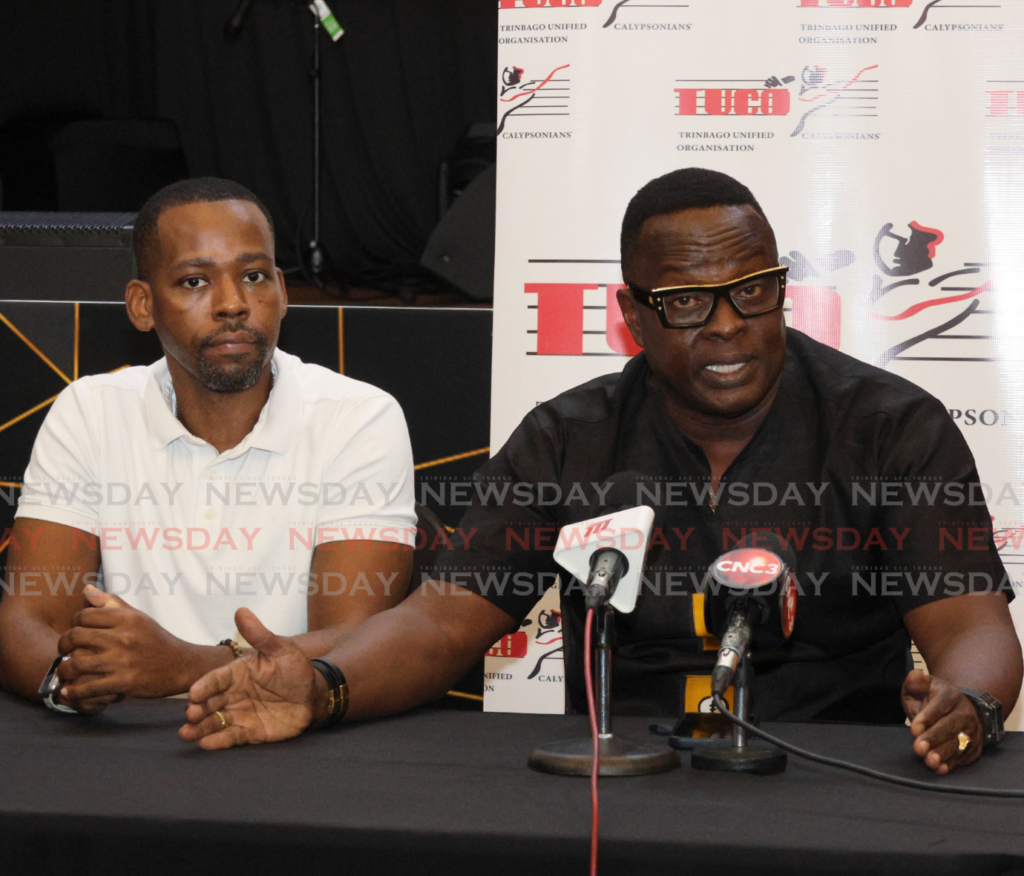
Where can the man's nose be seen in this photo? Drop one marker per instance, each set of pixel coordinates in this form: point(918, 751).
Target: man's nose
point(725, 320)
point(231, 299)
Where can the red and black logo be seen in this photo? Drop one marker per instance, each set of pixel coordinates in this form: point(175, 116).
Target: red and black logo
point(545, 4)
point(938, 4)
point(624, 5)
point(907, 263)
point(734, 97)
point(854, 4)
point(546, 95)
point(895, 4)
point(835, 95)
point(1004, 101)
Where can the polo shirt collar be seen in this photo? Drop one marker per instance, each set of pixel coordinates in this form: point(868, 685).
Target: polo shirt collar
point(275, 430)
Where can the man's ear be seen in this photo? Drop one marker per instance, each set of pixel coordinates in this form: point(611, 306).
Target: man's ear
point(138, 298)
point(284, 291)
point(631, 315)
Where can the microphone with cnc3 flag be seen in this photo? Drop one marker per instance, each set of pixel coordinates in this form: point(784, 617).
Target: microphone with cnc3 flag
point(757, 608)
point(750, 599)
point(750, 604)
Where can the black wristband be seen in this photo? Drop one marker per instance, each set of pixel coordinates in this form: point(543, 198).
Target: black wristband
point(990, 714)
point(337, 703)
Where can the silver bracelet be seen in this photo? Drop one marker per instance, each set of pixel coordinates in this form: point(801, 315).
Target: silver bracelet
point(50, 689)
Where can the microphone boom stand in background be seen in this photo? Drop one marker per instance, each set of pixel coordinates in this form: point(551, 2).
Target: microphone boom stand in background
point(317, 258)
point(317, 261)
point(617, 757)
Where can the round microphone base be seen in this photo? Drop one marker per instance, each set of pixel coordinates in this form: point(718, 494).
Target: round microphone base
point(756, 758)
point(575, 757)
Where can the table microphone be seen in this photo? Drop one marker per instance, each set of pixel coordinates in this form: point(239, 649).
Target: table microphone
point(757, 607)
point(607, 552)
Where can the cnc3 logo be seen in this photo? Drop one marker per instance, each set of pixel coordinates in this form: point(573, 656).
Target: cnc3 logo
point(547, 95)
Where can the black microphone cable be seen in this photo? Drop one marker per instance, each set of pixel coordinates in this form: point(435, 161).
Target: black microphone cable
point(723, 707)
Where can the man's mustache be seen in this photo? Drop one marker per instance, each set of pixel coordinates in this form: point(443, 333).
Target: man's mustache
point(258, 337)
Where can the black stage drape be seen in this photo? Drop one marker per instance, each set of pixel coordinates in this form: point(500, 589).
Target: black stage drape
point(399, 89)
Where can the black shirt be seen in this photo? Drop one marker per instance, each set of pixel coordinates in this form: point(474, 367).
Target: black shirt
point(863, 472)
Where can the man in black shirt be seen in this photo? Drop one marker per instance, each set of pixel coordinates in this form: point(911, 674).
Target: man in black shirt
point(753, 428)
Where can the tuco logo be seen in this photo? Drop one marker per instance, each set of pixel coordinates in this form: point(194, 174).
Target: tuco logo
point(739, 100)
point(570, 321)
point(929, 5)
point(1001, 101)
point(512, 645)
point(856, 4)
point(545, 4)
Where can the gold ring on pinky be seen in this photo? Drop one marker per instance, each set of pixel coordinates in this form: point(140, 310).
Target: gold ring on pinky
point(224, 723)
point(964, 740)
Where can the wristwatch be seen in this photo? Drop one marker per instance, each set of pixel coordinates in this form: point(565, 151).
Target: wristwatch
point(990, 713)
point(50, 688)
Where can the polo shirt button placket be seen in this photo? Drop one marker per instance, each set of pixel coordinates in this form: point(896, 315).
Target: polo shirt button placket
point(211, 513)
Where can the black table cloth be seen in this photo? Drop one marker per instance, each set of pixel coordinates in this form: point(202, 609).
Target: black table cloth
point(449, 792)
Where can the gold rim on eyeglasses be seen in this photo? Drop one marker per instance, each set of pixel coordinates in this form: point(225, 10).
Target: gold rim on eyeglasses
point(656, 298)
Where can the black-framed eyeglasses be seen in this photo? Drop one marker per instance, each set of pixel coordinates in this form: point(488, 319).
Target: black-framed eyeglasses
point(693, 306)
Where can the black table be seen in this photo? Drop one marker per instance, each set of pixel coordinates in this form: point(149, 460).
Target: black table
point(449, 792)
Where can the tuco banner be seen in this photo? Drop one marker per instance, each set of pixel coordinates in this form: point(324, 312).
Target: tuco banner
point(884, 139)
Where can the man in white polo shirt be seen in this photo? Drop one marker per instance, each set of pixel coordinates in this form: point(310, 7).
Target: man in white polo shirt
point(160, 499)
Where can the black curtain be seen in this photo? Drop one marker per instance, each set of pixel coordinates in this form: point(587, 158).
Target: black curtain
point(401, 86)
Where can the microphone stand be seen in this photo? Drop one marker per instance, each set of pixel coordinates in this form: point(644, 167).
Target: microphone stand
point(739, 755)
point(317, 258)
point(617, 757)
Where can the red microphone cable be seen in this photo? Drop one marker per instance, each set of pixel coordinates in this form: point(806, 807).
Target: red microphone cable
point(588, 674)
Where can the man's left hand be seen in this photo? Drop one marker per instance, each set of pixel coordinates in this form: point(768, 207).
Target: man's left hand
point(938, 713)
point(117, 649)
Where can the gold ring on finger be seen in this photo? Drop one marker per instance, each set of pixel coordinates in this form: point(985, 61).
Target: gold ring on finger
point(963, 740)
point(224, 721)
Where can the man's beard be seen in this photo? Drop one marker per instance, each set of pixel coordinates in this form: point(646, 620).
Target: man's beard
point(231, 377)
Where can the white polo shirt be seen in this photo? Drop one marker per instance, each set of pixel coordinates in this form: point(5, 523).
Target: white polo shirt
point(187, 534)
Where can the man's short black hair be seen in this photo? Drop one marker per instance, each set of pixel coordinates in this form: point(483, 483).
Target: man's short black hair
point(689, 188)
point(186, 191)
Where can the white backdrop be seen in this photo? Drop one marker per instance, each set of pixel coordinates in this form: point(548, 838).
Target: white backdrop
point(883, 138)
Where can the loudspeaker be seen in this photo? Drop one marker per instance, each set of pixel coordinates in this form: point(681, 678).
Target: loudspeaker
point(65, 256)
point(461, 247)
